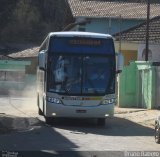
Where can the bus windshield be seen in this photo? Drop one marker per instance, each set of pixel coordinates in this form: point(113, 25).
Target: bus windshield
point(81, 74)
point(81, 66)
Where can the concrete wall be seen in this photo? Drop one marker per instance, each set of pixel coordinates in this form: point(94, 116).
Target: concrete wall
point(12, 75)
point(137, 85)
point(157, 85)
point(154, 52)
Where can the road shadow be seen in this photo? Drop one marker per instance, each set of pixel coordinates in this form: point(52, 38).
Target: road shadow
point(114, 126)
point(31, 134)
point(39, 139)
point(10, 123)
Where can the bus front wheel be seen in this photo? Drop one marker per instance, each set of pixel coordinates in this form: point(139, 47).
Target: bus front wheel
point(49, 120)
point(101, 121)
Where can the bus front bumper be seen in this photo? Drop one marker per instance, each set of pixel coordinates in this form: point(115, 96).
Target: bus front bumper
point(59, 110)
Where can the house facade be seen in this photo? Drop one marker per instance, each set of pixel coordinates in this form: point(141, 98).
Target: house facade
point(112, 17)
point(12, 74)
point(144, 90)
point(109, 16)
point(29, 54)
point(135, 38)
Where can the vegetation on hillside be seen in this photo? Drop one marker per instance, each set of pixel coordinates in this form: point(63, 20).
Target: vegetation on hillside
point(130, 1)
point(30, 20)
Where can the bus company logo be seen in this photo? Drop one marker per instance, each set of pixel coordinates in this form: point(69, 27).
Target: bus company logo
point(72, 98)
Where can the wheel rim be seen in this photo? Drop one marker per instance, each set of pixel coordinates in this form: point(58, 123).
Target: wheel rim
point(157, 134)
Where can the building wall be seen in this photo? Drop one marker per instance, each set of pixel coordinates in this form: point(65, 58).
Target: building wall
point(128, 49)
point(12, 75)
point(137, 86)
point(107, 25)
point(154, 52)
point(129, 55)
point(32, 68)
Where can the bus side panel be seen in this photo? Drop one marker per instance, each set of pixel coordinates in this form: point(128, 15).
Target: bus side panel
point(40, 88)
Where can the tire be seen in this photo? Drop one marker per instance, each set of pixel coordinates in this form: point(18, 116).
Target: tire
point(157, 133)
point(101, 121)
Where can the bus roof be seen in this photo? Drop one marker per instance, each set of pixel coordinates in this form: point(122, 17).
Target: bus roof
point(80, 34)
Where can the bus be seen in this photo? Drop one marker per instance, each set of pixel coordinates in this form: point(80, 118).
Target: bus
point(76, 76)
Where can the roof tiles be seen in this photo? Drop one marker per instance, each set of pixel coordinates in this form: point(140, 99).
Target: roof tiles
point(97, 9)
point(138, 33)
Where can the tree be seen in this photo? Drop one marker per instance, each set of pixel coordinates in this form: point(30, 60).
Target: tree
point(31, 20)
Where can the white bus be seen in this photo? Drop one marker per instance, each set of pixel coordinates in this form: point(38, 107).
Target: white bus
point(76, 76)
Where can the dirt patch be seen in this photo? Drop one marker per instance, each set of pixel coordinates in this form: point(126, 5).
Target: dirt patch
point(140, 116)
point(9, 123)
point(4, 128)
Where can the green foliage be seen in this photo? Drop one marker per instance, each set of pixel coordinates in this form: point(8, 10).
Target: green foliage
point(30, 20)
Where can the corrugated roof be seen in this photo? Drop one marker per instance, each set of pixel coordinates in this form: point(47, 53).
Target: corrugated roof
point(31, 52)
point(5, 57)
point(97, 9)
point(138, 33)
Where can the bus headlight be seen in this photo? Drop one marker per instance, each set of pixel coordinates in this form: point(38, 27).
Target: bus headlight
point(54, 100)
point(108, 101)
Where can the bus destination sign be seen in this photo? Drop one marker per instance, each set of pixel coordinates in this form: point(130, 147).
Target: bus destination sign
point(87, 42)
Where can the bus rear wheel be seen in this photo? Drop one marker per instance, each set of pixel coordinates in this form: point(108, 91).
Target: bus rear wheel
point(49, 120)
point(101, 121)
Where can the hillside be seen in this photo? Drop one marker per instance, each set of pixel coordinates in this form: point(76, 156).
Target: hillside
point(30, 20)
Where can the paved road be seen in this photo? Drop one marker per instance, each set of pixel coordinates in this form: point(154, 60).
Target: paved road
point(22, 129)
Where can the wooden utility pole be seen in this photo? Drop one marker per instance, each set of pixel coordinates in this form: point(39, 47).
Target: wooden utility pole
point(147, 30)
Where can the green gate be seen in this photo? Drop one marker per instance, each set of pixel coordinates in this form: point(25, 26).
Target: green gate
point(137, 85)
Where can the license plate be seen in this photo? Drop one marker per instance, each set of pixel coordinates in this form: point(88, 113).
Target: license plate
point(81, 111)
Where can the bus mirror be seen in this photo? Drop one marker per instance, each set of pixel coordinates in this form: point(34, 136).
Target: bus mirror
point(120, 62)
point(41, 60)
